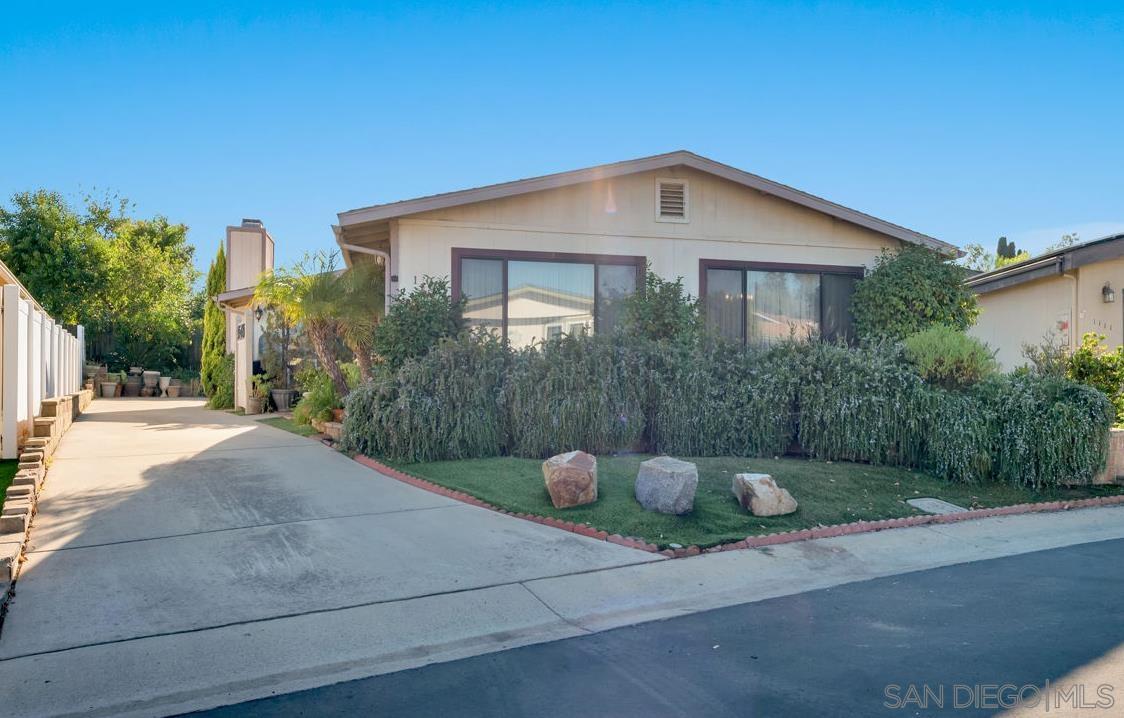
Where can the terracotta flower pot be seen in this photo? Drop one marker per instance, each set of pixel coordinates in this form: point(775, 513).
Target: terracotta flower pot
point(108, 389)
point(337, 415)
point(173, 390)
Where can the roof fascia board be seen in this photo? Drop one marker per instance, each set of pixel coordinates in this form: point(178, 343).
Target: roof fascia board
point(1020, 274)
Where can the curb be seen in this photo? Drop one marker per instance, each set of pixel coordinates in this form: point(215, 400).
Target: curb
point(818, 532)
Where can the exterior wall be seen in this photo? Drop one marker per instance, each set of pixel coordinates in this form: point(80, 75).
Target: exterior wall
point(249, 252)
point(1093, 313)
point(1024, 313)
point(1027, 313)
point(618, 216)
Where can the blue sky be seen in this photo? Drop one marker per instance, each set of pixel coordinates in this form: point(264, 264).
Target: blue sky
point(962, 120)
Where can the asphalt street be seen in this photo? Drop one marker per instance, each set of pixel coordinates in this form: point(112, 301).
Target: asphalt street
point(963, 640)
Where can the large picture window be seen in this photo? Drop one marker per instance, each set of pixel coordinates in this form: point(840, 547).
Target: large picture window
point(531, 296)
point(762, 303)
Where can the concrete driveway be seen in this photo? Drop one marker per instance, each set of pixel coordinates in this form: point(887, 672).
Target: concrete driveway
point(170, 533)
point(185, 559)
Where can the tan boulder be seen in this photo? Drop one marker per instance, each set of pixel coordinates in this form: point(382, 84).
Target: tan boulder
point(571, 479)
point(760, 495)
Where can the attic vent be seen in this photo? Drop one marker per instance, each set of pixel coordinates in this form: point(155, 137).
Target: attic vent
point(671, 200)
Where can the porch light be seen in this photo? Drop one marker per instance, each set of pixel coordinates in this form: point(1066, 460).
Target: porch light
point(259, 312)
point(1107, 294)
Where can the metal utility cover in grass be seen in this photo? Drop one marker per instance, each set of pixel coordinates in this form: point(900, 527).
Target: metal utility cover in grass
point(935, 506)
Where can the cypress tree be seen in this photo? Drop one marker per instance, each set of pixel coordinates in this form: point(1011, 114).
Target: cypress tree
point(214, 325)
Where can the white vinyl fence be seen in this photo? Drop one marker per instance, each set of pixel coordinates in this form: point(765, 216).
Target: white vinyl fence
point(39, 360)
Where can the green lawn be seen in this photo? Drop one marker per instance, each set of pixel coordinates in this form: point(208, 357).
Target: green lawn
point(8, 468)
point(289, 425)
point(828, 493)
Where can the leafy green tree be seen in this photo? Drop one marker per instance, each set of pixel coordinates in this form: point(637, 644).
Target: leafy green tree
point(1067, 240)
point(214, 324)
point(1005, 249)
point(417, 321)
point(662, 310)
point(310, 294)
point(58, 255)
point(146, 307)
point(909, 291)
point(128, 280)
point(362, 305)
point(977, 258)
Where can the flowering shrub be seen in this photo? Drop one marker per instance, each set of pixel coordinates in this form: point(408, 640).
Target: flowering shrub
point(476, 397)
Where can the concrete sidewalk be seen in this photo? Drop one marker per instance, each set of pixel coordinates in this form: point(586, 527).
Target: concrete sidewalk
point(185, 559)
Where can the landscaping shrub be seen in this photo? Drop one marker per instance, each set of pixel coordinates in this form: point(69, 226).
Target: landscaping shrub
point(911, 290)
point(859, 404)
point(474, 397)
point(319, 396)
point(1095, 365)
point(1050, 357)
point(222, 376)
point(949, 358)
point(1046, 431)
point(319, 392)
point(417, 321)
point(575, 392)
point(956, 436)
point(716, 399)
point(441, 406)
point(661, 311)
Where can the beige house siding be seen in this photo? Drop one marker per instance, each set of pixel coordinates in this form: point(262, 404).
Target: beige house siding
point(1068, 305)
point(1025, 313)
point(618, 216)
point(1093, 313)
point(249, 252)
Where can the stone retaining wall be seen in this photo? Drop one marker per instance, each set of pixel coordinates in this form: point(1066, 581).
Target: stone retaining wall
point(55, 417)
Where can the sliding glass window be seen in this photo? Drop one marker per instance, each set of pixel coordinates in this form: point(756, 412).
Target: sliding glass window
point(760, 303)
point(530, 296)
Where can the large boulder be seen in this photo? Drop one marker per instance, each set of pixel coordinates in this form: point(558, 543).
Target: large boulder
point(667, 485)
point(571, 479)
point(760, 495)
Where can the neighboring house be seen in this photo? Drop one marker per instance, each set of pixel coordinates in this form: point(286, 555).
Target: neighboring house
point(1057, 297)
point(249, 252)
point(539, 257)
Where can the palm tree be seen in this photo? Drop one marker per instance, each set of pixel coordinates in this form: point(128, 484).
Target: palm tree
point(360, 309)
point(310, 294)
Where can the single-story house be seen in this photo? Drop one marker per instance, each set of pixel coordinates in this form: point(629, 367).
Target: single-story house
point(1058, 297)
point(538, 257)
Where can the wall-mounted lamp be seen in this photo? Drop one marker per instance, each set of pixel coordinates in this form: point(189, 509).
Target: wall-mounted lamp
point(1107, 294)
point(259, 312)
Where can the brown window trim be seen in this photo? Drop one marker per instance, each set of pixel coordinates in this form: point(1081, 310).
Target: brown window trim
point(795, 268)
point(459, 253)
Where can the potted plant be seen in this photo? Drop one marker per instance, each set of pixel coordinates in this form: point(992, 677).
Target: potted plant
point(173, 388)
point(109, 387)
point(259, 394)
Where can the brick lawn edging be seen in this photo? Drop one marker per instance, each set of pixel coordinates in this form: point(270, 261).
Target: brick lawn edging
point(22, 496)
point(773, 539)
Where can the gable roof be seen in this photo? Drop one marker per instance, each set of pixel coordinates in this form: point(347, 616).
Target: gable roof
point(1050, 264)
point(644, 164)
